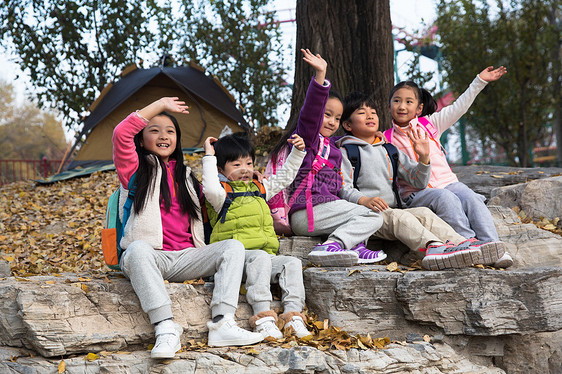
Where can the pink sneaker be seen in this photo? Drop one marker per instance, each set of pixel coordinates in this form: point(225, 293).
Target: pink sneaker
point(445, 256)
point(366, 256)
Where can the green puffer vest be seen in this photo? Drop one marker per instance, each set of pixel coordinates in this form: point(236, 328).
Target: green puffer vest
point(248, 220)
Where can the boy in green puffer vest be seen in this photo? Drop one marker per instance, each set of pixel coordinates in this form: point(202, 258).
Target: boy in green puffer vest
point(237, 208)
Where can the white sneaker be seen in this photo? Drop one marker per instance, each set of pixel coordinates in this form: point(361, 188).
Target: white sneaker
point(298, 326)
point(267, 328)
point(226, 332)
point(167, 339)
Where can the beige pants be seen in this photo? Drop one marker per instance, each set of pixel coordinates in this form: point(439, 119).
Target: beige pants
point(415, 227)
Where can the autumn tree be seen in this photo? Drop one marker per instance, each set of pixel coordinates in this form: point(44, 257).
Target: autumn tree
point(72, 49)
point(513, 112)
point(26, 132)
point(355, 38)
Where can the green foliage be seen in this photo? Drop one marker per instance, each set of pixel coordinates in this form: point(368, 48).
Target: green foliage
point(72, 49)
point(514, 111)
point(238, 42)
point(26, 132)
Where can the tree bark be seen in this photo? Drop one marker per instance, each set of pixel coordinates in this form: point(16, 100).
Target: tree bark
point(355, 38)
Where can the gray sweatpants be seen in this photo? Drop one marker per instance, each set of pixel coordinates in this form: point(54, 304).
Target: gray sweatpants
point(460, 207)
point(147, 269)
point(346, 223)
point(262, 269)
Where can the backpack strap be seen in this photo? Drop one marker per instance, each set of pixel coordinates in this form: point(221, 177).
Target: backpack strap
point(388, 134)
point(132, 188)
point(355, 159)
point(231, 195)
point(393, 155)
point(429, 127)
point(320, 160)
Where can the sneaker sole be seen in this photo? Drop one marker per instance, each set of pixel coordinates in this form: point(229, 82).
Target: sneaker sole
point(235, 342)
point(492, 252)
point(371, 260)
point(165, 354)
point(324, 258)
point(459, 259)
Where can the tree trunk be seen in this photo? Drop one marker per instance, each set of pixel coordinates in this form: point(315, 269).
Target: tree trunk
point(355, 38)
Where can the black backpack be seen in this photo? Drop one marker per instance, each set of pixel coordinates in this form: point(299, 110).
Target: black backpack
point(355, 159)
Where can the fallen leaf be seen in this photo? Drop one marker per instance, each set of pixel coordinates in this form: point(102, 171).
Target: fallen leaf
point(62, 366)
point(496, 176)
point(426, 338)
point(353, 272)
point(393, 266)
point(92, 357)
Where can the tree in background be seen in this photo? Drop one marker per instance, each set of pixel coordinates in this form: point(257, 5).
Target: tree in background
point(355, 39)
point(520, 35)
point(72, 49)
point(240, 43)
point(26, 132)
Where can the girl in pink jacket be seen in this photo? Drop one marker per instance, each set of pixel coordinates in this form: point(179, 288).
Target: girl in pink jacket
point(414, 109)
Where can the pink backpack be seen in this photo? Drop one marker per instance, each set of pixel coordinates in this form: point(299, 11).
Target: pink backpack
point(279, 204)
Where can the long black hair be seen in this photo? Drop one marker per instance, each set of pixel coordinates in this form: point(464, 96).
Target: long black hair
point(145, 173)
point(292, 126)
point(423, 96)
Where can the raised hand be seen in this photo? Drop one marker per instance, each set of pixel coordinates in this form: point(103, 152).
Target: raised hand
point(297, 142)
point(208, 146)
point(317, 63)
point(420, 143)
point(490, 74)
point(173, 104)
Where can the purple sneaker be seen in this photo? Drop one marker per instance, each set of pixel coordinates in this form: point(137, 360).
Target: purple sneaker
point(332, 254)
point(366, 256)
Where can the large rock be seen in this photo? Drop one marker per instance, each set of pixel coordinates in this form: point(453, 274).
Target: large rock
point(470, 301)
point(539, 198)
point(64, 315)
point(484, 178)
point(420, 357)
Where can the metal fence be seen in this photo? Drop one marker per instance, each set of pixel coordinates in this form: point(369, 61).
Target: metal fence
point(17, 170)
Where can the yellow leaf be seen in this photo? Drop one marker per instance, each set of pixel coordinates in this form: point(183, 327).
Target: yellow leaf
point(50, 282)
point(549, 226)
point(426, 338)
point(9, 258)
point(361, 345)
point(243, 289)
point(479, 266)
point(496, 176)
point(84, 279)
point(84, 287)
point(393, 266)
point(92, 357)
point(253, 352)
point(62, 366)
point(353, 272)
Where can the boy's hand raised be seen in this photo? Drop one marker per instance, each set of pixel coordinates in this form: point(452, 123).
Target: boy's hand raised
point(208, 146)
point(318, 63)
point(490, 74)
point(297, 142)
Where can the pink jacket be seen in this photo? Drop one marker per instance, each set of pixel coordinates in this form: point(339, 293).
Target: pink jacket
point(435, 124)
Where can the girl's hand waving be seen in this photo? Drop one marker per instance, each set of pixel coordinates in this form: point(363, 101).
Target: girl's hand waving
point(173, 104)
point(297, 142)
point(318, 63)
point(490, 74)
point(420, 143)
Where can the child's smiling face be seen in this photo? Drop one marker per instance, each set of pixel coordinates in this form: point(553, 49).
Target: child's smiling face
point(241, 169)
point(159, 137)
point(332, 115)
point(363, 123)
point(405, 106)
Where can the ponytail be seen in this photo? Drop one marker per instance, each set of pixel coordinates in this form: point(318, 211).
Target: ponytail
point(423, 96)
